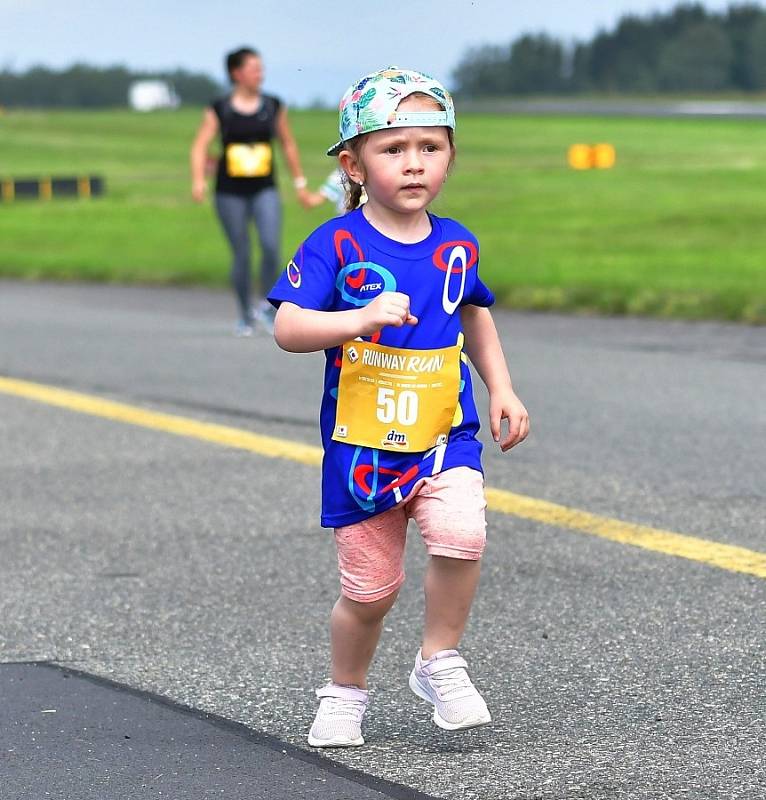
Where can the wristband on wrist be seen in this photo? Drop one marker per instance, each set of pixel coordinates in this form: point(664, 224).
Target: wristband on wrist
point(300, 182)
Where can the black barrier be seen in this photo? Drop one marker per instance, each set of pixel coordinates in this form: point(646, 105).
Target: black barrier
point(47, 188)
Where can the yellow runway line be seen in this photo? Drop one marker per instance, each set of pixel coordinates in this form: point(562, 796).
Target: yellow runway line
point(169, 423)
point(716, 554)
point(724, 556)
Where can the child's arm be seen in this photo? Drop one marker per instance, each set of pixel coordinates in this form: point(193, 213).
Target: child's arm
point(482, 344)
point(302, 330)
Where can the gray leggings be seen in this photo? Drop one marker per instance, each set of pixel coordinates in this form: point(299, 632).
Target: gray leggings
point(235, 211)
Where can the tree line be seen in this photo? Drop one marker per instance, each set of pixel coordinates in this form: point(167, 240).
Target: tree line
point(688, 49)
point(83, 86)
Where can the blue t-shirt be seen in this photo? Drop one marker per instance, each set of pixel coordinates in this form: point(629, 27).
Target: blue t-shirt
point(345, 264)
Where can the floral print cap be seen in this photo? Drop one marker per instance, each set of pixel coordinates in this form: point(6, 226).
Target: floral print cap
point(370, 104)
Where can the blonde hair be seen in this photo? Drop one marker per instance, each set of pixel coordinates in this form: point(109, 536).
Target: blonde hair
point(354, 191)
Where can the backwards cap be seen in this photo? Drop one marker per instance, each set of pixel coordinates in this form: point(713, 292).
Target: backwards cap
point(370, 105)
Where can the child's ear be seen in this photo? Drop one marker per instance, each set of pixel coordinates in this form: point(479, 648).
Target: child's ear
point(349, 163)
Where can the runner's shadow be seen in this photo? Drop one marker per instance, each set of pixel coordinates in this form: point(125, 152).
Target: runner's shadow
point(426, 738)
point(473, 741)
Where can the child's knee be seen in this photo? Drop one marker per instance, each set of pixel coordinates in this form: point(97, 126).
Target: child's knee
point(369, 610)
point(469, 546)
point(371, 595)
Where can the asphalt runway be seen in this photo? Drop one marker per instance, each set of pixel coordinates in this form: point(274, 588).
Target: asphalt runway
point(198, 572)
point(86, 737)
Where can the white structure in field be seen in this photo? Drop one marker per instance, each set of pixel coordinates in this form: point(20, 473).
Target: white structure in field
point(151, 95)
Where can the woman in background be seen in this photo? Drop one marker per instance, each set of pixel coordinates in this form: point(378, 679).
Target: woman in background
point(248, 121)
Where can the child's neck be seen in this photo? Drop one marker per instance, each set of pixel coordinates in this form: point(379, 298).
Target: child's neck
point(404, 228)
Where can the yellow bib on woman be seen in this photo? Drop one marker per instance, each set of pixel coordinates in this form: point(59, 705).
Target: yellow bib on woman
point(248, 160)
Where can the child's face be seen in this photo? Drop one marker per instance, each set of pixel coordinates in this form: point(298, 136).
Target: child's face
point(404, 168)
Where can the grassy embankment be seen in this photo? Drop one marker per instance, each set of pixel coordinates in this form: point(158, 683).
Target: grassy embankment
point(676, 229)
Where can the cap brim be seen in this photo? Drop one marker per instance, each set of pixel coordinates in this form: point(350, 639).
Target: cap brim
point(335, 149)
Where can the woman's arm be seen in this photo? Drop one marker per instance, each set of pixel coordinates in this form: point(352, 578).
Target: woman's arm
point(290, 149)
point(303, 330)
point(482, 344)
point(207, 131)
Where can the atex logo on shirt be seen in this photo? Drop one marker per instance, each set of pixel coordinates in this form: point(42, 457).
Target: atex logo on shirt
point(361, 282)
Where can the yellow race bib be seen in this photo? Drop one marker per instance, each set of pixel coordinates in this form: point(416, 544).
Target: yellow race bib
point(390, 398)
point(248, 160)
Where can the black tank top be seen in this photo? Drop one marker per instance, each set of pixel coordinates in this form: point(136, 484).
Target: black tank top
point(246, 129)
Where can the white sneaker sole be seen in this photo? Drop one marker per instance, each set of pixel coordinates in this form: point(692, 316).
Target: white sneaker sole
point(335, 742)
point(469, 722)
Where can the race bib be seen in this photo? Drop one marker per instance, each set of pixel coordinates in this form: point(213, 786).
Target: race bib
point(248, 160)
point(390, 398)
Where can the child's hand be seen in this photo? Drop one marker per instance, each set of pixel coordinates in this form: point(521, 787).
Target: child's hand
point(505, 405)
point(312, 199)
point(388, 308)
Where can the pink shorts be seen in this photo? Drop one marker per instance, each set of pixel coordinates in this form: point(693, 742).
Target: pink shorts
point(449, 511)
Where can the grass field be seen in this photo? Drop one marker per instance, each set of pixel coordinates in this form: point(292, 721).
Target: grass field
point(676, 229)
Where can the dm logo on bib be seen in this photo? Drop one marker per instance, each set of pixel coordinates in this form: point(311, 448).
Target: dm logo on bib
point(361, 282)
point(395, 438)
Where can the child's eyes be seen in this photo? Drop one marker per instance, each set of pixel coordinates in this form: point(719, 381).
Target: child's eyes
point(394, 149)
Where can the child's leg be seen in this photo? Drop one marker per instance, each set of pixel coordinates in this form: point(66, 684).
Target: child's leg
point(449, 588)
point(355, 629)
point(371, 563)
point(450, 512)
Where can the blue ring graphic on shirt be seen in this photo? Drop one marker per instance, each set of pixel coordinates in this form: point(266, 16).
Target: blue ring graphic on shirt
point(368, 504)
point(364, 288)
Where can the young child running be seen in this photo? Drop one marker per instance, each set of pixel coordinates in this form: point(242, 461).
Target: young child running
point(392, 294)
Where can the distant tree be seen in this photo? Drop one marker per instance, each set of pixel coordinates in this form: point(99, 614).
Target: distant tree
point(90, 87)
point(624, 60)
point(637, 44)
point(580, 75)
point(83, 86)
point(756, 55)
point(739, 23)
point(483, 71)
point(685, 49)
point(191, 87)
point(699, 59)
point(536, 65)
point(679, 19)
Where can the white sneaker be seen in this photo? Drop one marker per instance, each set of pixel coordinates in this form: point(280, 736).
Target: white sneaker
point(444, 682)
point(338, 722)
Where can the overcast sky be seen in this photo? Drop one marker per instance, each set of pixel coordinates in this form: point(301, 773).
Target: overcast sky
point(312, 50)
